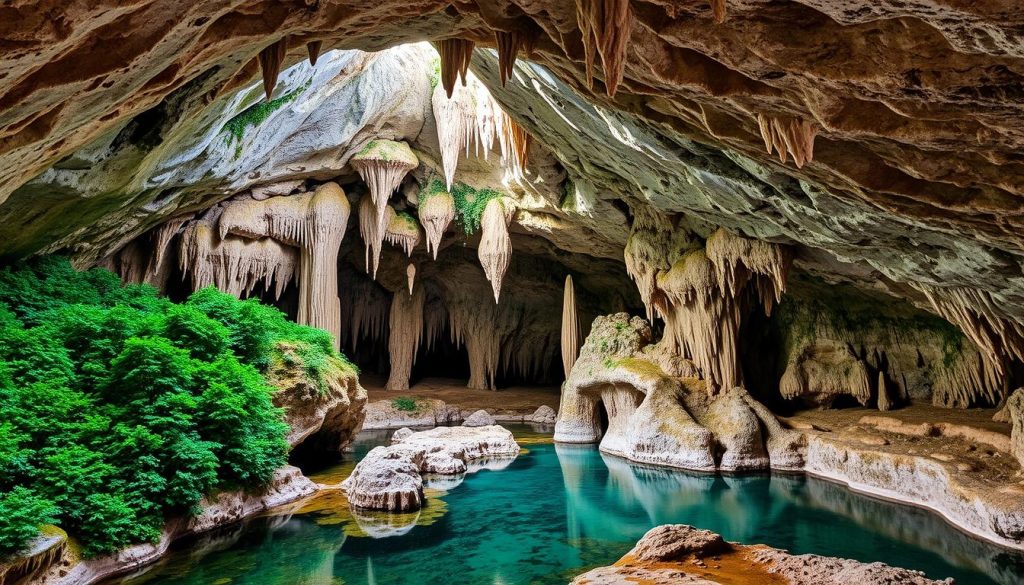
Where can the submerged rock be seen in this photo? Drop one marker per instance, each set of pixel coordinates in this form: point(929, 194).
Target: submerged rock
point(480, 418)
point(674, 554)
point(390, 478)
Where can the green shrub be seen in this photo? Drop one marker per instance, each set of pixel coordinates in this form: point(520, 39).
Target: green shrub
point(119, 408)
point(21, 513)
point(469, 202)
point(404, 403)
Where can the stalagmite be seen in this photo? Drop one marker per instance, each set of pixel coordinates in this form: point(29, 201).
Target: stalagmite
point(605, 25)
point(406, 326)
point(884, 401)
point(456, 55)
point(718, 10)
point(313, 48)
point(315, 223)
point(233, 264)
point(495, 249)
point(570, 327)
point(436, 211)
point(788, 135)
point(383, 164)
point(410, 275)
point(271, 59)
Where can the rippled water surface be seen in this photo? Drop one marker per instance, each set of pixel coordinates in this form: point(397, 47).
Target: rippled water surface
point(558, 510)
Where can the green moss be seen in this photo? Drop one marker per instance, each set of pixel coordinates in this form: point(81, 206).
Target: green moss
point(405, 404)
point(609, 363)
point(470, 204)
point(407, 218)
point(255, 115)
point(568, 202)
point(435, 71)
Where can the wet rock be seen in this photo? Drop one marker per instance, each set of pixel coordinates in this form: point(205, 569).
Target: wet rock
point(390, 478)
point(544, 415)
point(480, 418)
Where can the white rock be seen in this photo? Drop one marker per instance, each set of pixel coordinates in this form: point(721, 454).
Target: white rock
point(544, 415)
point(480, 418)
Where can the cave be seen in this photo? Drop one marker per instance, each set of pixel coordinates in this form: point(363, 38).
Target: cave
point(621, 263)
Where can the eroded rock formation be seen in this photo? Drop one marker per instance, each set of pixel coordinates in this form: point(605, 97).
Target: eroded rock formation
point(389, 478)
point(676, 553)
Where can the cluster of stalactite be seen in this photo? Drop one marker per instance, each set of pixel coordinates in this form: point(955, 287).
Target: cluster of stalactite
point(364, 314)
point(975, 312)
point(788, 136)
point(702, 294)
point(313, 222)
point(235, 265)
point(470, 120)
point(606, 26)
point(508, 45)
point(402, 231)
point(456, 55)
point(383, 164)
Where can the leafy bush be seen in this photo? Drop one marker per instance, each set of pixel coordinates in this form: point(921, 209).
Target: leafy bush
point(404, 403)
point(119, 408)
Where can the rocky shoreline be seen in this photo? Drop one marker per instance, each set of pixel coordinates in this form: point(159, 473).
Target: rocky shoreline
point(678, 554)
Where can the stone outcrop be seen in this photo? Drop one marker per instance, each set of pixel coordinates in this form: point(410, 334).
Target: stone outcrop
point(681, 554)
point(480, 418)
point(331, 410)
point(426, 412)
point(390, 478)
point(658, 418)
point(543, 415)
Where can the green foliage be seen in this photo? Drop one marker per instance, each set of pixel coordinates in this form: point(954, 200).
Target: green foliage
point(435, 72)
point(469, 204)
point(255, 115)
point(405, 403)
point(21, 513)
point(119, 408)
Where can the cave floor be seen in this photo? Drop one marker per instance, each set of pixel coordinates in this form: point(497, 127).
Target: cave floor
point(454, 392)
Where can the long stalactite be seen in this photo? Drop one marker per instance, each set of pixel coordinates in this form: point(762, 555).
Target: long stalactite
point(271, 58)
point(495, 249)
point(456, 55)
point(436, 212)
point(405, 330)
point(606, 26)
point(788, 136)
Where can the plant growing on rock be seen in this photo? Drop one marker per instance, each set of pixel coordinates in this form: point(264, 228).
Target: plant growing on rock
point(121, 408)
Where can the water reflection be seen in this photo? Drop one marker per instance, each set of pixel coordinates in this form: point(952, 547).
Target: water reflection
point(509, 524)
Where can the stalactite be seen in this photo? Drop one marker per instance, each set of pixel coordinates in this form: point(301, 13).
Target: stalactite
point(495, 249)
point(436, 211)
point(508, 45)
point(162, 238)
point(606, 26)
point(383, 164)
point(402, 231)
point(313, 48)
point(233, 264)
point(410, 275)
point(570, 327)
point(372, 232)
point(718, 10)
point(739, 260)
point(788, 135)
point(271, 58)
point(406, 327)
point(519, 144)
point(313, 222)
point(474, 324)
point(364, 313)
point(456, 55)
point(454, 116)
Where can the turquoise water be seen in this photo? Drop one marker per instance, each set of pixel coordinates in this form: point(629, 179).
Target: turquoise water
point(558, 510)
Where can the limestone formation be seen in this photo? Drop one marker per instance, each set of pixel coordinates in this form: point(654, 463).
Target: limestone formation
point(543, 415)
point(402, 230)
point(788, 137)
point(313, 222)
point(606, 27)
point(389, 478)
point(824, 371)
point(1015, 411)
point(495, 249)
point(659, 419)
point(313, 49)
point(410, 276)
point(570, 327)
point(718, 8)
point(406, 326)
point(508, 44)
point(383, 164)
point(455, 57)
point(675, 554)
point(271, 59)
point(436, 211)
point(372, 231)
point(480, 418)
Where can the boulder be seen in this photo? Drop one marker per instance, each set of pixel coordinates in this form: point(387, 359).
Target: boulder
point(390, 478)
point(544, 415)
point(480, 418)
